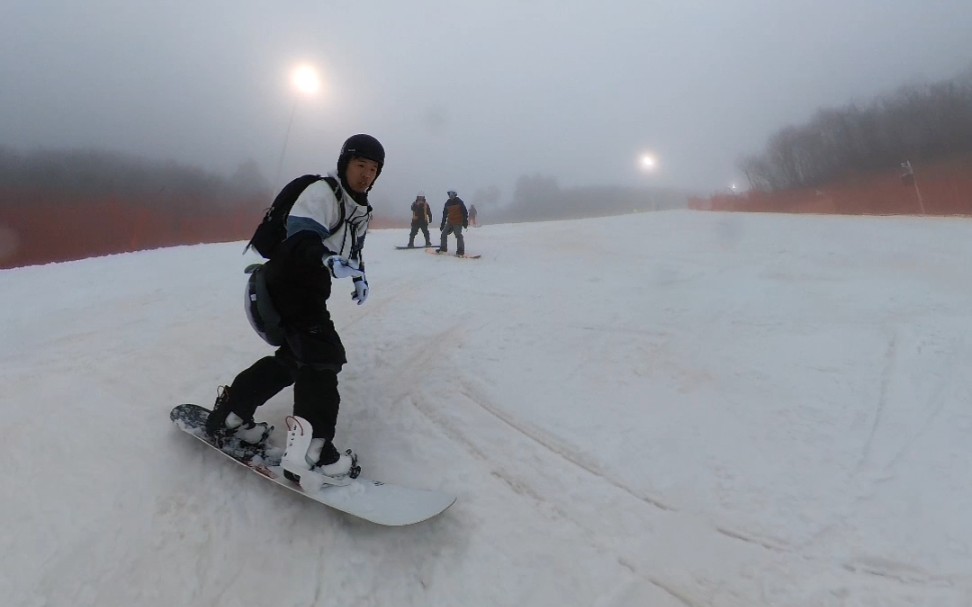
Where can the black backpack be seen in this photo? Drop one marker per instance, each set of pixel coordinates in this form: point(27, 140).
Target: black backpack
point(273, 229)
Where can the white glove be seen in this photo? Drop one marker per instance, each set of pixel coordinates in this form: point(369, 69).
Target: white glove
point(360, 294)
point(341, 267)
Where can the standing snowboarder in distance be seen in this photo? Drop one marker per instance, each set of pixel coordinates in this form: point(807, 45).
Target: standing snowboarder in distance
point(325, 235)
point(472, 216)
point(421, 218)
point(454, 219)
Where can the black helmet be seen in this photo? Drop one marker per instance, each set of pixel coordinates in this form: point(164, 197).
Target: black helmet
point(360, 146)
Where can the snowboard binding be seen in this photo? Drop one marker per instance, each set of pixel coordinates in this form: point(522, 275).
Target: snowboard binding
point(229, 439)
point(352, 473)
point(355, 468)
point(298, 467)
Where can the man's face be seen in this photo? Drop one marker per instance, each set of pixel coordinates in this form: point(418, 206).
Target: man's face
point(361, 174)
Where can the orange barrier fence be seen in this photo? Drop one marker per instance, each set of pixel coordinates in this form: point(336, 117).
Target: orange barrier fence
point(943, 188)
point(42, 227)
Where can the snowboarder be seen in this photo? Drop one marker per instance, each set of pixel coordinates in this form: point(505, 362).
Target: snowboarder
point(454, 219)
point(421, 218)
point(472, 216)
point(325, 235)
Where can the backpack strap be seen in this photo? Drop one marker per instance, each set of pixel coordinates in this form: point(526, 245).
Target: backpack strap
point(272, 231)
point(339, 196)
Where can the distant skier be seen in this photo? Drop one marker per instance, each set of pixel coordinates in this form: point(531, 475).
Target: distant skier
point(325, 234)
point(472, 216)
point(455, 217)
point(421, 218)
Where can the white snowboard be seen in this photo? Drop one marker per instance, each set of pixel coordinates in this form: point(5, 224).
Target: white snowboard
point(375, 501)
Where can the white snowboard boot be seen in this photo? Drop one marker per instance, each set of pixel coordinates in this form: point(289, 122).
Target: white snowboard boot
point(223, 424)
point(250, 433)
point(313, 462)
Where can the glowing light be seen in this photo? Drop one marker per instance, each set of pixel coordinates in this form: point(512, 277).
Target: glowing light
point(648, 162)
point(306, 79)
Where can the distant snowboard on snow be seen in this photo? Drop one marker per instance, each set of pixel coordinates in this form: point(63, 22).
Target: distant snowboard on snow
point(448, 254)
point(378, 502)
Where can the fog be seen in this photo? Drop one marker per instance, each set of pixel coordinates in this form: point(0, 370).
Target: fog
point(464, 96)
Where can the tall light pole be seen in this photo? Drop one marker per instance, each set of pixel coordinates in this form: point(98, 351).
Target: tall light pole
point(649, 164)
point(909, 176)
point(306, 82)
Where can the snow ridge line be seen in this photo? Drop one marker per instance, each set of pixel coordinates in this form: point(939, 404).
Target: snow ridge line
point(548, 443)
point(521, 488)
point(897, 572)
point(538, 437)
point(752, 539)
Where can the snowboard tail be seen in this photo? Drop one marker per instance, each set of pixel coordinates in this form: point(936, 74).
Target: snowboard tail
point(375, 501)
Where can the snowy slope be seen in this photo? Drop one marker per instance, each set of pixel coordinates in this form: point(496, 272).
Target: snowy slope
point(663, 409)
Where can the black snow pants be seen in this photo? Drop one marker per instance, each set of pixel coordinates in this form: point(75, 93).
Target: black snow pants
point(416, 226)
point(309, 361)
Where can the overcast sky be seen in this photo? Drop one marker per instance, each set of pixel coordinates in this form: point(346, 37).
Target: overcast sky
point(464, 95)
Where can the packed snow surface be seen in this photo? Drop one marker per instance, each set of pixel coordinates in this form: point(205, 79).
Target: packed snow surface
point(666, 409)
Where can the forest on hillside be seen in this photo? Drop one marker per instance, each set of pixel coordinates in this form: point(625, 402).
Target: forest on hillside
point(905, 152)
point(57, 205)
point(917, 124)
point(67, 175)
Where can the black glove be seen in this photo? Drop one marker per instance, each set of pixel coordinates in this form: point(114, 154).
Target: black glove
point(465, 224)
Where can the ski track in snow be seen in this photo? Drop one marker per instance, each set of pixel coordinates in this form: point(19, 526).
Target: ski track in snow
point(560, 512)
point(548, 443)
point(876, 469)
point(886, 377)
point(932, 404)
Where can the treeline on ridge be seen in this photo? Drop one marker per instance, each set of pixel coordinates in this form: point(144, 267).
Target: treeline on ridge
point(73, 176)
point(58, 205)
point(916, 123)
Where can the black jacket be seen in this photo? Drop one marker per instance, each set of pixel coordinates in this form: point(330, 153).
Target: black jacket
point(454, 213)
point(299, 283)
point(421, 213)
